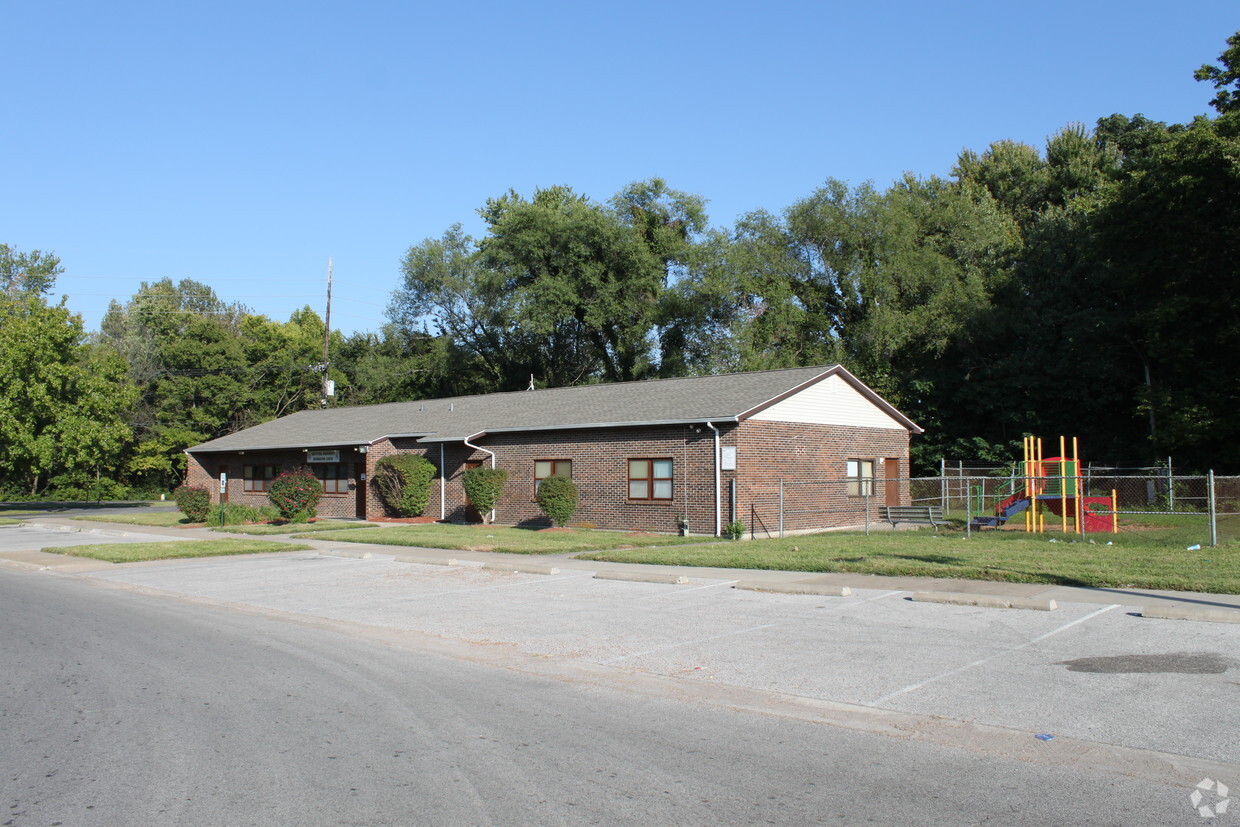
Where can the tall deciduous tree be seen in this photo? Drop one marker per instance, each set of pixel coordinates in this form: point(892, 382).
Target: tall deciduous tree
point(32, 273)
point(60, 402)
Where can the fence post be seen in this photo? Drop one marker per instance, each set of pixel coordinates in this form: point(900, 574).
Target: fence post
point(867, 511)
point(968, 511)
point(1213, 512)
point(781, 508)
point(1080, 503)
point(943, 484)
point(1170, 487)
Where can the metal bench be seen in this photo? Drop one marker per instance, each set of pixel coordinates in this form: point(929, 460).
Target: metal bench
point(925, 514)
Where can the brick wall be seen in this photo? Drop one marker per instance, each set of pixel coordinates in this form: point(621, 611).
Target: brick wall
point(812, 462)
point(204, 470)
point(810, 458)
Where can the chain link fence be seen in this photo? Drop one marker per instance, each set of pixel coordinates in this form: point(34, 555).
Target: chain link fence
point(1201, 510)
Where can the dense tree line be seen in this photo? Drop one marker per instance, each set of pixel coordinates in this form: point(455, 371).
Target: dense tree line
point(1089, 287)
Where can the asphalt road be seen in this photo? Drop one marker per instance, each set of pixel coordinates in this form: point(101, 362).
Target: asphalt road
point(119, 707)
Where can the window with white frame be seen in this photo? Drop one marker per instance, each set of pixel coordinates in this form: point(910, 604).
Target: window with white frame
point(860, 477)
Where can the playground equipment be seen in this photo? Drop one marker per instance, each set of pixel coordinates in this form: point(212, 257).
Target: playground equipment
point(1052, 484)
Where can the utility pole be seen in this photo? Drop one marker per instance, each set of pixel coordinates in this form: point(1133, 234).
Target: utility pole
point(327, 332)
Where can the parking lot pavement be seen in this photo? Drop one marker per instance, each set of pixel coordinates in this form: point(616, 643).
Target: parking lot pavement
point(1092, 671)
point(35, 537)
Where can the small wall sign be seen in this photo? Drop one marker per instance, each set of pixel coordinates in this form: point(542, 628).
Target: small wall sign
point(727, 458)
point(322, 456)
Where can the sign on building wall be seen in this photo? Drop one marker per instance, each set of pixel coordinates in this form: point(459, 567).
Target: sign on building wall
point(727, 458)
point(323, 456)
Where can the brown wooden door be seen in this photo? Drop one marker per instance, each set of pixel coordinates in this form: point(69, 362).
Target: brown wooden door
point(472, 514)
point(360, 476)
point(891, 470)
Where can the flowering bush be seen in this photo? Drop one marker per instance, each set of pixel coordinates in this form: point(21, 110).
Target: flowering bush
point(295, 494)
point(194, 502)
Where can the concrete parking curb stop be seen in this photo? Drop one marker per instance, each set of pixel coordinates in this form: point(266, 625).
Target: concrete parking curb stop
point(1192, 613)
point(985, 601)
point(641, 577)
point(521, 568)
point(793, 588)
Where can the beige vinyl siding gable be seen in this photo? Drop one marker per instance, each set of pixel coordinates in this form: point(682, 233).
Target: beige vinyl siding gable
point(830, 402)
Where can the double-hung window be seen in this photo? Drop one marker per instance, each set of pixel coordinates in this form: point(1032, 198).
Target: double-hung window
point(860, 477)
point(650, 479)
point(544, 468)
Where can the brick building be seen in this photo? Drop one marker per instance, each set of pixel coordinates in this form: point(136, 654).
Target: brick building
point(643, 454)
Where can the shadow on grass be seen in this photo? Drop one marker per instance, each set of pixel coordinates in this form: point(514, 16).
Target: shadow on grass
point(57, 507)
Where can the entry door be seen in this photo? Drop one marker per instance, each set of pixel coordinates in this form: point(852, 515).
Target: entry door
point(891, 470)
point(359, 474)
point(472, 514)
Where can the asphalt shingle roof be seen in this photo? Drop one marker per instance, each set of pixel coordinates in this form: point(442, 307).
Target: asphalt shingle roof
point(696, 399)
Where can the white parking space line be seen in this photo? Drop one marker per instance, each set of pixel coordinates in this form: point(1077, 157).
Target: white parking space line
point(980, 661)
point(683, 643)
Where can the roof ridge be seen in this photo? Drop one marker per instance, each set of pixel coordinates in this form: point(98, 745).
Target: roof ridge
point(425, 400)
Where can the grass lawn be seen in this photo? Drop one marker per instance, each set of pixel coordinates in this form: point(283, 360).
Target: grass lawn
point(291, 528)
point(3, 521)
point(506, 539)
point(1135, 559)
point(155, 518)
point(137, 552)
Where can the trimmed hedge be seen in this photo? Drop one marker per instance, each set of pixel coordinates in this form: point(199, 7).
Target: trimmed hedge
point(295, 494)
point(557, 497)
point(404, 483)
point(194, 502)
point(484, 486)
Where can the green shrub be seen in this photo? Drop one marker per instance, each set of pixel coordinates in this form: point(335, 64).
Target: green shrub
point(483, 486)
point(557, 497)
point(238, 514)
point(734, 530)
point(194, 502)
point(295, 494)
point(404, 483)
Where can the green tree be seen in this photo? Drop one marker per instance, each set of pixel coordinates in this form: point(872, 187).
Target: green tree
point(562, 288)
point(1224, 77)
point(32, 273)
point(60, 401)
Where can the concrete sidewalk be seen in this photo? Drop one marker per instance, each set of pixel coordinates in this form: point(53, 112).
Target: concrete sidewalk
point(1208, 604)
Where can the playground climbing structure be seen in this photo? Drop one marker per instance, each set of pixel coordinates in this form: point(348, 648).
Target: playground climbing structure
point(1051, 485)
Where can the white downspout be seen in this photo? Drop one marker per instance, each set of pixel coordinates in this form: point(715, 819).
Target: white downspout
point(443, 486)
point(491, 454)
point(718, 525)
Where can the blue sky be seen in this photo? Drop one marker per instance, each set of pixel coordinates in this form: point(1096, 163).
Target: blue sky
point(242, 144)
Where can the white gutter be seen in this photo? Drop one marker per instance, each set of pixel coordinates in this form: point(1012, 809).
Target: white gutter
point(718, 524)
point(443, 486)
point(469, 444)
